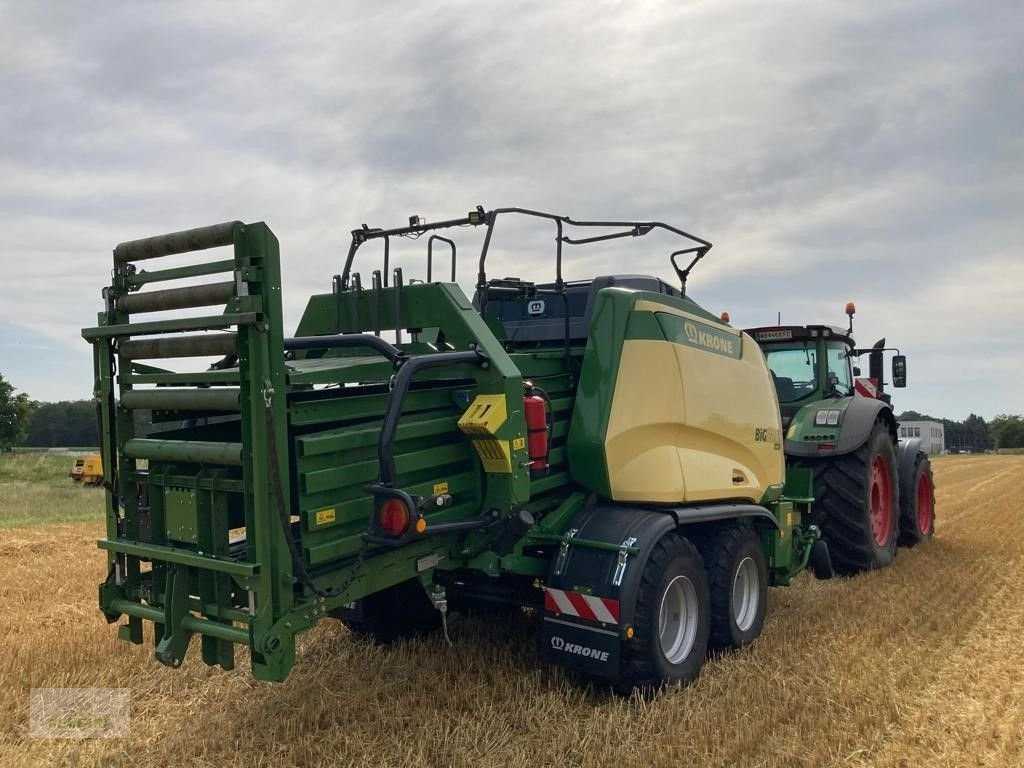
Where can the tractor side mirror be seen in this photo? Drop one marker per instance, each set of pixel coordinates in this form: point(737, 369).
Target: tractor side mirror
point(899, 371)
point(856, 370)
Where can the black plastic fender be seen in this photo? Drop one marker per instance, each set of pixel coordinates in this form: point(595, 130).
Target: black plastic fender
point(906, 456)
point(858, 421)
point(593, 571)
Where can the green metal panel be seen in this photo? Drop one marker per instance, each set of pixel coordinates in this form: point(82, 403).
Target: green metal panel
point(612, 310)
point(181, 515)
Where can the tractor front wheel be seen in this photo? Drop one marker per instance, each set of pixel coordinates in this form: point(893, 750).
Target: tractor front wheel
point(856, 503)
point(917, 503)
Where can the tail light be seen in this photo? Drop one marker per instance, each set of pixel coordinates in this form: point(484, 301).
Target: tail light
point(394, 517)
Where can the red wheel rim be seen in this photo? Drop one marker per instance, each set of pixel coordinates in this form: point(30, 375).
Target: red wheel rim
point(925, 505)
point(881, 501)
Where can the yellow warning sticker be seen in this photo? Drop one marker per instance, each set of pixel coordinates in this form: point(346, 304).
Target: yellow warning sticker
point(440, 488)
point(518, 444)
point(325, 516)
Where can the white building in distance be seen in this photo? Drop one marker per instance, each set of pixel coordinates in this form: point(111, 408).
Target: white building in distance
point(931, 433)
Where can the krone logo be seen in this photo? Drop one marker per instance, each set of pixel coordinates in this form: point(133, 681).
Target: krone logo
point(557, 643)
point(711, 341)
point(691, 332)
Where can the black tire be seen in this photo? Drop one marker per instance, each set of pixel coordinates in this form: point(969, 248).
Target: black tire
point(917, 504)
point(403, 610)
point(674, 562)
point(843, 487)
point(475, 607)
point(737, 585)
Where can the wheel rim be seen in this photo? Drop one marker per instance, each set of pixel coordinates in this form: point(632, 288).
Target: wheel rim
point(925, 505)
point(746, 594)
point(881, 501)
point(677, 619)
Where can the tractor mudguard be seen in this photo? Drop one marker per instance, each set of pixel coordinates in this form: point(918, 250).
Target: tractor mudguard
point(600, 577)
point(858, 418)
point(906, 455)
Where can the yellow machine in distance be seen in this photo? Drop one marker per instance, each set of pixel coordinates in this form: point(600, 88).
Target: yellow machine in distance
point(87, 470)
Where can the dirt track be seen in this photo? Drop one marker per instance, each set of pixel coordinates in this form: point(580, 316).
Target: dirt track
point(917, 665)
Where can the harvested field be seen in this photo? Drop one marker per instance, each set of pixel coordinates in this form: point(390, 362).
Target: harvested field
point(917, 665)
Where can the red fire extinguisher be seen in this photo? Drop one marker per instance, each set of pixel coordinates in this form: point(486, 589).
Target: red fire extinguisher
point(537, 410)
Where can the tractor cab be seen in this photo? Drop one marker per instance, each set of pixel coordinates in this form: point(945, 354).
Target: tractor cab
point(810, 363)
point(807, 363)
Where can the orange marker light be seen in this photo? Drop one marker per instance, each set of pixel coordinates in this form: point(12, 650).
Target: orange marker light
point(629, 633)
point(421, 525)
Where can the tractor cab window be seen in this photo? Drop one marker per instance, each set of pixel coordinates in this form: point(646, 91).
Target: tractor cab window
point(839, 366)
point(794, 370)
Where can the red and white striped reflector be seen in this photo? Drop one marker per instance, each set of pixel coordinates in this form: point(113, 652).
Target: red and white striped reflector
point(582, 606)
point(866, 388)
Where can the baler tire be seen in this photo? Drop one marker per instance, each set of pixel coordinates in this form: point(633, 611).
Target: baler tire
point(917, 504)
point(479, 608)
point(397, 612)
point(842, 508)
point(734, 559)
point(675, 564)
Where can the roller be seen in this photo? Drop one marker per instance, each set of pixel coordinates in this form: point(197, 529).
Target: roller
point(166, 399)
point(205, 295)
point(180, 346)
point(198, 239)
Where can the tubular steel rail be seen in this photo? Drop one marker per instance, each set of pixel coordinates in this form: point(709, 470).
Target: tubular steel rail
point(482, 217)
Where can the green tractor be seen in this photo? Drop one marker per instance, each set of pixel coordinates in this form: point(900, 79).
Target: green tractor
point(872, 491)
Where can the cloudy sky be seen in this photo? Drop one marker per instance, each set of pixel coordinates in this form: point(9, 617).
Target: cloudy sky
point(831, 151)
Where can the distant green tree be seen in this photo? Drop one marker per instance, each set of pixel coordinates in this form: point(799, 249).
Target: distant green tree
point(1007, 431)
point(64, 424)
point(914, 416)
point(15, 411)
point(977, 432)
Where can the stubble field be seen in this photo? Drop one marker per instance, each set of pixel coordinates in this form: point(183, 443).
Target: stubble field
point(920, 664)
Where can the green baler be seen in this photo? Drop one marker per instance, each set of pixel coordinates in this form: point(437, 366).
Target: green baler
point(604, 451)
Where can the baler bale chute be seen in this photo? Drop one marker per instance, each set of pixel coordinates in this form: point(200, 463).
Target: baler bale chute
point(604, 450)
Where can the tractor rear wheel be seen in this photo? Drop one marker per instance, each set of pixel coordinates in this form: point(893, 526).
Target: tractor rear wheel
point(737, 584)
point(917, 503)
point(671, 619)
point(856, 503)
